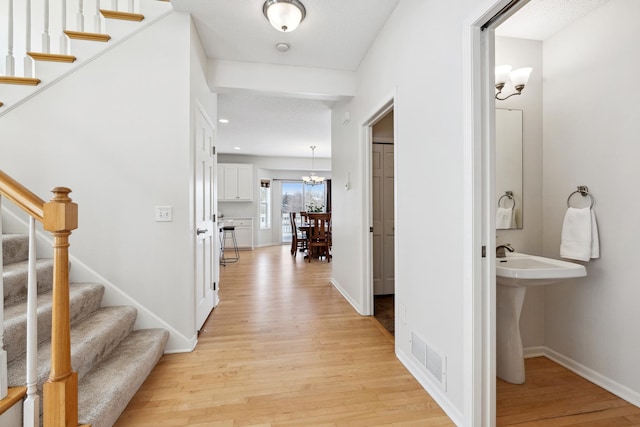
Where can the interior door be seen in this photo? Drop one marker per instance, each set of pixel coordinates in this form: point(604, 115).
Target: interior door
point(206, 259)
point(383, 218)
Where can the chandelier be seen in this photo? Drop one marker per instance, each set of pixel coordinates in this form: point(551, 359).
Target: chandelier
point(313, 179)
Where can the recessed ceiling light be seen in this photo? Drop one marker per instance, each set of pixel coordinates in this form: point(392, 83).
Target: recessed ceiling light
point(223, 120)
point(282, 47)
point(236, 148)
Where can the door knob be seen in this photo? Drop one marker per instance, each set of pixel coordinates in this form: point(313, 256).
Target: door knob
point(199, 232)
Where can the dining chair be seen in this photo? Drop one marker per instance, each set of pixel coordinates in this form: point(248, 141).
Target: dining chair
point(318, 240)
point(298, 239)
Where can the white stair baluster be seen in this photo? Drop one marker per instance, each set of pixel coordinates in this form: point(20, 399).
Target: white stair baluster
point(46, 39)
point(10, 69)
point(97, 23)
point(31, 408)
point(114, 4)
point(64, 39)
point(3, 354)
point(130, 8)
point(28, 61)
point(80, 17)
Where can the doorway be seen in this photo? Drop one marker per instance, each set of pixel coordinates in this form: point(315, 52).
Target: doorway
point(296, 196)
point(382, 166)
point(206, 248)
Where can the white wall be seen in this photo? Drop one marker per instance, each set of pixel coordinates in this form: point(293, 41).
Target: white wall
point(591, 133)
point(117, 133)
point(417, 57)
point(274, 168)
point(527, 53)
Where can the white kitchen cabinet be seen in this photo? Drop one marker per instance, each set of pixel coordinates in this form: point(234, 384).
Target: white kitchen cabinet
point(235, 182)
point(243, 229)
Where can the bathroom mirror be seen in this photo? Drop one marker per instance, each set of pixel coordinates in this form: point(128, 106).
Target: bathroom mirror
point(509, 168)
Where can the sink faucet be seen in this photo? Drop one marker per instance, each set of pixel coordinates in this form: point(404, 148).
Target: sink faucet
point(500, 250)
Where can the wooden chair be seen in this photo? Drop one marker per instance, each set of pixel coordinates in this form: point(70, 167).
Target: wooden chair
point(298, 240)
point(318, 240)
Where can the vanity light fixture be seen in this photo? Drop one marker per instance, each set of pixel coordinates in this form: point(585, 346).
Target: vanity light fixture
point(519, 78)
point(284, 15)
point(313, 179)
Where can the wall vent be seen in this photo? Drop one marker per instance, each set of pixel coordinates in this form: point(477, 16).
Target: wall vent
point(432, 360)
point(418, 349)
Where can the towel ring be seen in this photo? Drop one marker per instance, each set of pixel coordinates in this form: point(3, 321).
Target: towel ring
point(508, 195)
point(583, 190)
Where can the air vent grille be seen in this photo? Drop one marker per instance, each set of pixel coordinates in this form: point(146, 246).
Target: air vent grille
point(432, 360)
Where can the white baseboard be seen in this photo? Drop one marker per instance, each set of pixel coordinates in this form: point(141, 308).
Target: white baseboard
point(587, 373)
point(113, 295)
point(536, 351)
point(434, 390)
point(346, 296)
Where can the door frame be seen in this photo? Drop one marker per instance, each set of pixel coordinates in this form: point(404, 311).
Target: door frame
point(199, 109)
point(479, 292)
point(389, 103)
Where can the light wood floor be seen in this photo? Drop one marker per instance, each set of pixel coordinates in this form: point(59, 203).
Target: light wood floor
point(553, 396)
point(283, 348)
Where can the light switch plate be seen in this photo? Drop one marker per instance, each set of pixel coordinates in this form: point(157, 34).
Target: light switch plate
point(164, 213)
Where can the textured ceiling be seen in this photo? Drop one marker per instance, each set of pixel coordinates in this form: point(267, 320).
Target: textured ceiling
point(540, 19)
point(273, 126)
point(335, 34)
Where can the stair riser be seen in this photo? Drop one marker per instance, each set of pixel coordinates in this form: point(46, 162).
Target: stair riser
point(15, 248)
point(92, 340)
point(83, 300)
point(16, 276)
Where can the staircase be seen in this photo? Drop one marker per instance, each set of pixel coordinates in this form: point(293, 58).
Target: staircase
point(45, 40)
point(112, 359)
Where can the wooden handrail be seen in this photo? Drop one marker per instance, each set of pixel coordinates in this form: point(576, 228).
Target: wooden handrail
point(21, 196)
point(60, 217)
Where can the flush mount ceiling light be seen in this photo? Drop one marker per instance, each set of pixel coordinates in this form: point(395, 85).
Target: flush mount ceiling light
point(313, 179)
point(519, 79)
point(284, 15)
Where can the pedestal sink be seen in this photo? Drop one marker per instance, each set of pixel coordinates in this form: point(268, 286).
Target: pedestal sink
point(514, 274)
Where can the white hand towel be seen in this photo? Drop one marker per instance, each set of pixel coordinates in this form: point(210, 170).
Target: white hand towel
point(595, 240)
point(504, 218)
point(578, 235)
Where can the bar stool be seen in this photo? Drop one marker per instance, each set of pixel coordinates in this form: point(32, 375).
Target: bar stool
point(228, 232)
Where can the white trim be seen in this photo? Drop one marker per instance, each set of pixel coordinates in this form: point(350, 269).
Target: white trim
point(178, 343)
point(387, 104)
point(479, 393)
point(434, 389)
point(346, 296)
point(587, 373)
point(81, 64)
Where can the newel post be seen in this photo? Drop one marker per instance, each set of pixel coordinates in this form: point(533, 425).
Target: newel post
point(61, 389)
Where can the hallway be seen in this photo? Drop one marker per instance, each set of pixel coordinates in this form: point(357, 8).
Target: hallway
point(283, 348)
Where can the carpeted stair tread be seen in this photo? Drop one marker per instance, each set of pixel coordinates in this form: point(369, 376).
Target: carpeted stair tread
point(15, 248)
point(84, 299)
point(105, 391)
point(15, 277)
point(92, 340)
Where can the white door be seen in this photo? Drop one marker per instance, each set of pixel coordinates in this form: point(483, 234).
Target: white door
point(383, 219)
point(206, 273)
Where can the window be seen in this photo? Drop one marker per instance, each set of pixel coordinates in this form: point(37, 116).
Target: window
point(265, 204)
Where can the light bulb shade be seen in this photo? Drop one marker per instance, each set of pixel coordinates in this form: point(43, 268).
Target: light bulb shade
point(502, 73)
point(284, 15)
point(520, 76)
